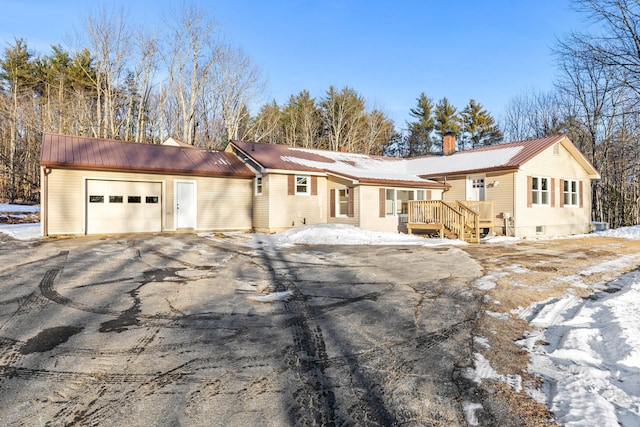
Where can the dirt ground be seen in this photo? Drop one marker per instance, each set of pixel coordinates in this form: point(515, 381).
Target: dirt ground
point(542, 262)
point(165, 330)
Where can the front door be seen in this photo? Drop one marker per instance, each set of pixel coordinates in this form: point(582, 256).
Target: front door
point(185, 204)
point(476, 187)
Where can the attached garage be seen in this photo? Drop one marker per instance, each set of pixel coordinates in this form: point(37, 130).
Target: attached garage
point(123, 206)
point(99, 186)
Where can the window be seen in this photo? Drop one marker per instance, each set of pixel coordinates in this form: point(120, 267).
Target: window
point(402, 201)
point(302, 184)
point(96, 199)
point(342, 202)
point(390, 202)
point(570, 192)
point(115, 199)
point(134, 199)
point(258, 185)
point(151, 199)
point(397, 200)
point(540, 191)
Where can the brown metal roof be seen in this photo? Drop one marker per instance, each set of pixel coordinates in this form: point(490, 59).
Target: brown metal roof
point(271, 156)
point(92, 153)
point(461, 161)
point(363, 168)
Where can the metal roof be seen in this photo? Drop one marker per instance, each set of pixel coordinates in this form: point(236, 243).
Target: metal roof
point(508, 156)
point(93, 153)
point(359, 167)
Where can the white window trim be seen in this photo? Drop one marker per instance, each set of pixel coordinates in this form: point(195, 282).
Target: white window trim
point(395, 198)
point(337, 201)
point(258, 188)
point(307, 192)
point(577, 193)
point(540, 192)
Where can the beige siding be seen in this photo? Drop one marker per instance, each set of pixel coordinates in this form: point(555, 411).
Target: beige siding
point(556, 220)
point(370, 207)
point(335, 184)
point(261, 205)
point(458, 189)
point(287, 211)
point(65, 202)
point(498, 189)
point(223, 203)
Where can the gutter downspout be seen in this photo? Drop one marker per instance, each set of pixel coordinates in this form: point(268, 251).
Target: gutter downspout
point(44, 202)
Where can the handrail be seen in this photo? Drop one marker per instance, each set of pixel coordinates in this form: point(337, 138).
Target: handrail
point(456, 217)
point(471, 219)
point(436, 212)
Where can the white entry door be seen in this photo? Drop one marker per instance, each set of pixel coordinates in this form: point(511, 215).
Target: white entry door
point(185, 204)
point(476, 187)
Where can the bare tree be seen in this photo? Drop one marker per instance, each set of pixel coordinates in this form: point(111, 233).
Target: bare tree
point(108, 37)
point(378, 131)
point(342, 115)
point(191, 53)
point(532, 115)
point(238, 83)
point(302, 122)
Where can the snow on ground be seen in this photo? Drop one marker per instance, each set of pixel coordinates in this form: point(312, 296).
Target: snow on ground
point(586, 351)
point(329, 234)
point(5, 207)
point(590, 362)
point(20, 231)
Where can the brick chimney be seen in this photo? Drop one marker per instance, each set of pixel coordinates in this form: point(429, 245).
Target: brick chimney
point(448, 144)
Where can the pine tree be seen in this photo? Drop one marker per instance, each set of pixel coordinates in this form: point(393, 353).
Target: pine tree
point(419, 141)
point(447, 119)
point(478, 127)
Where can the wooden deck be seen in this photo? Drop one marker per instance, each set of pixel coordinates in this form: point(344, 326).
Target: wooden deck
point(460, 220)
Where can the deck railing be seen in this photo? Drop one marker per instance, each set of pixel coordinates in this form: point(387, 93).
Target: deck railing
point(470, 220)
point(456, 217)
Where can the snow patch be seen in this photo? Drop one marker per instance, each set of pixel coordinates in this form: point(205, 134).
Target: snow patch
point(273, 297)
point(470, 409)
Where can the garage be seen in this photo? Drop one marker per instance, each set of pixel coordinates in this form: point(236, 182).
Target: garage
point(123, 206)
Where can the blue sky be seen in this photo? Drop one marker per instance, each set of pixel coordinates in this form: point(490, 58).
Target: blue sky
point(388, 51)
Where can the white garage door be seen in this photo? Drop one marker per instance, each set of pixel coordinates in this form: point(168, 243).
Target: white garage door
point(123, 206)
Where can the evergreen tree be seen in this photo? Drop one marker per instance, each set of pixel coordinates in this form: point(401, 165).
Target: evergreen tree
point(17, 78)
point(478, 127)
point(419, 141)
point(447, 120)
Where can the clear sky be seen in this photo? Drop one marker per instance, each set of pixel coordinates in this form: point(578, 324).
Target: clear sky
point(388, 51)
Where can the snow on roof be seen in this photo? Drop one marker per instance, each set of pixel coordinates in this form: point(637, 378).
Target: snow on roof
point(356, 165)
point(464, 161)
point(418, 170)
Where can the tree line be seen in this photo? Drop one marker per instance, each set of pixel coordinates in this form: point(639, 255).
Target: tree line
point(185, 81)
point(595, 103)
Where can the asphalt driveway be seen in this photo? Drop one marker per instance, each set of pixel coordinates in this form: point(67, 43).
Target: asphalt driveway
point(165, 330)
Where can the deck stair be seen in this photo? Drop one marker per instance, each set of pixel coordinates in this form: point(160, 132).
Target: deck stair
point(454, 220)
